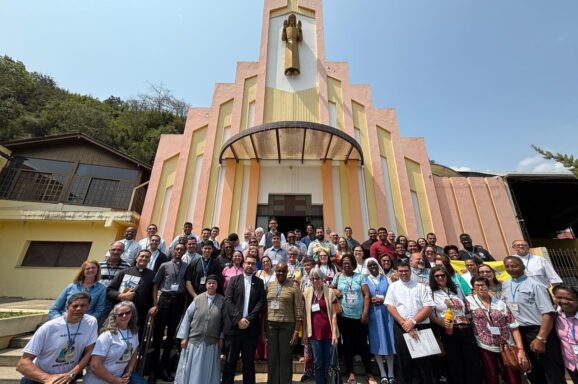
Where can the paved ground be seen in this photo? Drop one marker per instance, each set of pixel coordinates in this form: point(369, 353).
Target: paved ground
point(24, 304)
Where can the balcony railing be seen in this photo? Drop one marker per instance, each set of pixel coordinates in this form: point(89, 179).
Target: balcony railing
point(28, 185)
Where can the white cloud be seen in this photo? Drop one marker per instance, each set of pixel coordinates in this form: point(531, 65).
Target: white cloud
point(540, 165)
point(461, 169)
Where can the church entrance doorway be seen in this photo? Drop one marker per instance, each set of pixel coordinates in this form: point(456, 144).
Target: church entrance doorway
point(291, 211)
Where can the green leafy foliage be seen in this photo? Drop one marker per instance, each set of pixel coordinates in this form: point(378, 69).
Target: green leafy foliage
point(567, 161)
point(32, 105)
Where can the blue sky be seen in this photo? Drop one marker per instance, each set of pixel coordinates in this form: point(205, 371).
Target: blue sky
point(479, 80)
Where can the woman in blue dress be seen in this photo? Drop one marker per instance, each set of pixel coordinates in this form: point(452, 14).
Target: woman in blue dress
point(381, 342)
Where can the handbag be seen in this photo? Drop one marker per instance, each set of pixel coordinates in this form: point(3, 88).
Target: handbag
point(509, 356)
point(334, 372)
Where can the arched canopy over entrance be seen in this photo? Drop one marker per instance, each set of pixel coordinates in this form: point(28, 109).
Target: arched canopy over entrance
point(291, 140)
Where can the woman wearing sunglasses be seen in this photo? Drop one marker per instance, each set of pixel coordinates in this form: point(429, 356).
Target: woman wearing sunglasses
point(455, 331)
point(114, 355)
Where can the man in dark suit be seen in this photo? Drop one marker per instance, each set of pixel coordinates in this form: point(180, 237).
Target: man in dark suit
point(244, 300)
point(157, 257)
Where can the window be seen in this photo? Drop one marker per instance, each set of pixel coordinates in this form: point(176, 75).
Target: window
point(56, 253)
point(103, 193)
point(333, 114)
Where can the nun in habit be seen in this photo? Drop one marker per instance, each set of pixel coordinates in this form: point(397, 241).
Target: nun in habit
point(200, 332)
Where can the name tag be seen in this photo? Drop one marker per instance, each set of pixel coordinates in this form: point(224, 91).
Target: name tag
point(174, 287)
point(494, 330)
point(513, 307)
point(575, 348)
point(275, 304)
point(381, 297)
point(203, 280)
point(315, 307)
point(350, 298)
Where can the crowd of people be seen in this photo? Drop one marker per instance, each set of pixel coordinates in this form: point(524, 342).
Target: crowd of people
point(271, 296)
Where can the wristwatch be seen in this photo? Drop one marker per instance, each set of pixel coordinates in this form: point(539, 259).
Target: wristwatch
point(541, 339)
point(413, 321)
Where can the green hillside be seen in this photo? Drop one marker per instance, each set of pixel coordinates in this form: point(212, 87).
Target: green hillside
point(31, 105)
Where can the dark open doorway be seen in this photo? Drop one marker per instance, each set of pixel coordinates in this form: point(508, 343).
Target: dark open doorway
point(291, 212)
point(289, 223)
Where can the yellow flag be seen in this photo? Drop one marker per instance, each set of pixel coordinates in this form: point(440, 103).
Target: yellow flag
point(460, 267)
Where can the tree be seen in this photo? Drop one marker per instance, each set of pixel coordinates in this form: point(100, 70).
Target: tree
point(32, 105)
point(568, 161)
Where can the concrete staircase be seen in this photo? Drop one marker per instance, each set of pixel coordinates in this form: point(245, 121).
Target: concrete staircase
point(9, 358)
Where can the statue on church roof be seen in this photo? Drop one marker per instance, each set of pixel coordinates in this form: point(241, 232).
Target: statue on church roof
point(292, 35)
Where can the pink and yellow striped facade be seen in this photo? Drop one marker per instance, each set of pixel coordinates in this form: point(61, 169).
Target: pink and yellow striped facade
point(394, 187)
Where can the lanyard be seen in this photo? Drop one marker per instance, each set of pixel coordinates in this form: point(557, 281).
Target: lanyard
point(488, 311)
point(447, 292)
point(177, 275)
point(278, 290)
point(349, 284)
point(376, 286)
point(317, 298)
point(70, 338)
point(127, 338)
point(517, 287)
point(205, 267)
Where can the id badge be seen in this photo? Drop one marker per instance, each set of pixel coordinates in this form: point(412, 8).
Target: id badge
point(66, 354)
point(381, 297)
point(513, 307)
point(203, 280)
point(494, 330)
point(350, 298)
point(575, 348)
point(315, 307)
point(127, 354)
point(174, 287)
point(275, 304)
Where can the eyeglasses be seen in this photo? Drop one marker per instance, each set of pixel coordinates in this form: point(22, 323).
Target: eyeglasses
point(480, 287)
point(440, 276)
point(281, 272)
point(124, 314)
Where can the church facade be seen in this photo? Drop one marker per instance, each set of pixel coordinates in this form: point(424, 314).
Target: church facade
point(293, 138)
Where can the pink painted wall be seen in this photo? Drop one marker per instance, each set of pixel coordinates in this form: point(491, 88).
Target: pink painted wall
point(481, 207)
